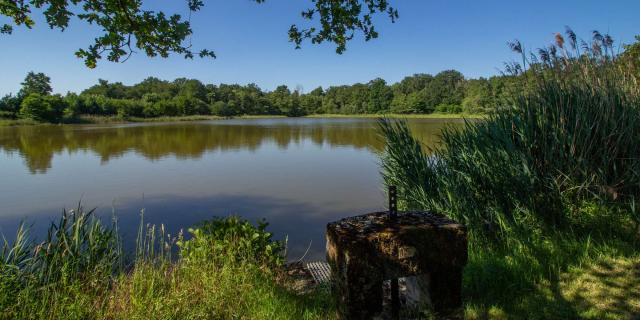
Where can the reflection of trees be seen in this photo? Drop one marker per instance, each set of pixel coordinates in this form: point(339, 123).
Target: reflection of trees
point(38, 144)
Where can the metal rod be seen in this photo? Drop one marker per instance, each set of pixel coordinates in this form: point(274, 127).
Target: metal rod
point(393, 202)
point(395, 288)
point(395, 299)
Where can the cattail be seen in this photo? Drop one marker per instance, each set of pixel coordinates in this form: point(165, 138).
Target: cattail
point(596, 48)
point(597, 36)
point(559, 40)
point(572, 36)
point(515, 46)
point(608, 41)
point(544, 55)
point(553, 52)
point(585, 46)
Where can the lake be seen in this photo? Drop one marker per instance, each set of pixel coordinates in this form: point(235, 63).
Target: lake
point(297, 173)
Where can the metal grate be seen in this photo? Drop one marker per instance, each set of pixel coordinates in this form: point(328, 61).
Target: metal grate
point(320, 271)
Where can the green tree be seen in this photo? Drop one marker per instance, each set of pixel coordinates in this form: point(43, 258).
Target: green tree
point(280, 98)
point(446, 88)
point(38, 83)
point(220, 108)
point(110, 90)
point(9, 106)
point(631, 55)
point(189, 105)
point(126, 25)
point(380, 96)
point(43, 108)
point(311, 103)
point(191, 88)
point(478, 96)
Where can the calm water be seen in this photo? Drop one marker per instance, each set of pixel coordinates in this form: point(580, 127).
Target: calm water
point(298, 174)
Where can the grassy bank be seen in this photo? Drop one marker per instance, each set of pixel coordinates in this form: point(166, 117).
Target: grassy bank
point(403, 116)
point(17, 122)
point(89, 119)
point(231, 269)
point(226, 269)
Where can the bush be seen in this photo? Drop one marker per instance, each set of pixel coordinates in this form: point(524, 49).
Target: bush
point(129, 108)
point(43, 108)
point(190, 105)
point(448, 108)
point(220, 108)
point(9, 106)
point(234, 240)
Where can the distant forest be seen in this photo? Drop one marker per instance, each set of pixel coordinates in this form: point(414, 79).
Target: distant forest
point(446, 92)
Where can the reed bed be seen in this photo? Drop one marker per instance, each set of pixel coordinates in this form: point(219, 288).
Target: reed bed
point(545, 185)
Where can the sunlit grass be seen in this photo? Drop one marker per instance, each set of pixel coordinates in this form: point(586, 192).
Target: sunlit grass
point(17, 122)
point(604, 288)
point(403, 116)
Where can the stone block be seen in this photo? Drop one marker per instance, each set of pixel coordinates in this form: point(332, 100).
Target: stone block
point(365, 250)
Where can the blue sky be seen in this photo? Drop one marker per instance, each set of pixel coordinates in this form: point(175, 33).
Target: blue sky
point(252, 46)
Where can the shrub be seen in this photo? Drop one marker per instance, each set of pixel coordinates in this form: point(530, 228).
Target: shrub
point(129, 108)
point(43, 108)
point(448, 108)
point(220, 108)
point(190, 105)
point(9, 106)
point(232, 239)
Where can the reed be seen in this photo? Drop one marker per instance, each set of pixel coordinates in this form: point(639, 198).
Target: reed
point(545, 185)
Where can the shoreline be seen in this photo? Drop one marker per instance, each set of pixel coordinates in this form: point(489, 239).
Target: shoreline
point(84, 120)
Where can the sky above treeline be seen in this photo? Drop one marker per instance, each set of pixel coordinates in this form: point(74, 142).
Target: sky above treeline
point(252, 46)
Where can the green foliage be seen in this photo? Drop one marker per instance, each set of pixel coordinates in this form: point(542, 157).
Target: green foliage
point(573, 135)
point(127, 25)
point(228, 269)
point(77, 254)
point(380, 96)
point(448, 108)
point(232, 239)
point(339, 20)
point(37, 83)
point(546, 184)
point(446, 92)
point(631, 56)
point(9, 106)
point(189, 105)
point(185, 97)
point(222, 109)
point(43, 108)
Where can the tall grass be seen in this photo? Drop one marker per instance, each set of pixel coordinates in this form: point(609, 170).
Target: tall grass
point(543, 185)
point(572, 135)
point(226, 268)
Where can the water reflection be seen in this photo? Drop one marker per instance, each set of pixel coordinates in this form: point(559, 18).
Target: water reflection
point(298, 174)
point(37, 144)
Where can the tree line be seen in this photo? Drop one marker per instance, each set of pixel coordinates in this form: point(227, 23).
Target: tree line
point(446, 92)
